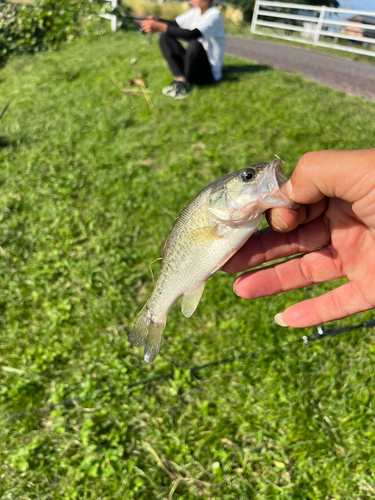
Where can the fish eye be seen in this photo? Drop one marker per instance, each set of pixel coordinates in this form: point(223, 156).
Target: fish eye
point(248, 175)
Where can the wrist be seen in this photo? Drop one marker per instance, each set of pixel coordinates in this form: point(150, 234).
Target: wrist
point(162, 27)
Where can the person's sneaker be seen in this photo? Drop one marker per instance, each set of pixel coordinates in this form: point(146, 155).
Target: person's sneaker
point(183, 89)
point(170, 89)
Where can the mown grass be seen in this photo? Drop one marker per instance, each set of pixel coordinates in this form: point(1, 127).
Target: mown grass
point(91, 182)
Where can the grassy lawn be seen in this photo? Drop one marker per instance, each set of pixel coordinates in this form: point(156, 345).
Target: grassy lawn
point(91, 182)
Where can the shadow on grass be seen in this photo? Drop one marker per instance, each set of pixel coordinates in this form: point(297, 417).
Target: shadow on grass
point(232, 72)
point(4, 141)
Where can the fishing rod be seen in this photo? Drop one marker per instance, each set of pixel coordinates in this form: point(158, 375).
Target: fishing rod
point(4, 109)
point(318, 335)
point(137, 21)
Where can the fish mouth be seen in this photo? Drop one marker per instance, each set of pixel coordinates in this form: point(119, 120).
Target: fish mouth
point(274, 179)
point(275, 175)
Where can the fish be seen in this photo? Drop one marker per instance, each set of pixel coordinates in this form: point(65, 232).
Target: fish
point(206, 234)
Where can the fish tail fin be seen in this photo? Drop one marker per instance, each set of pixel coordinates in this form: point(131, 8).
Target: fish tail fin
point(138, 334)
point(146, 332)
point(153, 342)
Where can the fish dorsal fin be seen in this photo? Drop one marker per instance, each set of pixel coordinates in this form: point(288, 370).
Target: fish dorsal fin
point(191, 300)
point(161, 248)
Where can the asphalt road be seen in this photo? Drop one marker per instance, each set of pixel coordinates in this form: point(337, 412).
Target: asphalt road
point(350, 76)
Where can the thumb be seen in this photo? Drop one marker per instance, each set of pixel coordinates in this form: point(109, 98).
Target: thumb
point(348, 175)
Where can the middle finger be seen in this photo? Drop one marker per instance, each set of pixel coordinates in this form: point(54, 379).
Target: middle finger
point(267, 245)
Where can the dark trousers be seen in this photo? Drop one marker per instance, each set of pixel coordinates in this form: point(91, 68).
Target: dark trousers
point(192, 62)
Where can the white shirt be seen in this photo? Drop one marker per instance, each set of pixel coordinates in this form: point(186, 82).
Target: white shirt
point(211, 25)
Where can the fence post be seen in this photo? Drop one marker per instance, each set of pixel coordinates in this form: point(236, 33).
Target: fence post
point(255, 17)
point(320, 24)
point(113, 23)
point(111, 17)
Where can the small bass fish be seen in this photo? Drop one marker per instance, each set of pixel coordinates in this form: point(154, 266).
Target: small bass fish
point(208, 231)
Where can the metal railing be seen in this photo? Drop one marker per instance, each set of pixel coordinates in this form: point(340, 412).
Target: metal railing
point(318, 26)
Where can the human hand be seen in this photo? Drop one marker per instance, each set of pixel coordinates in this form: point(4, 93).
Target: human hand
point(152, 25)
point(335, 225)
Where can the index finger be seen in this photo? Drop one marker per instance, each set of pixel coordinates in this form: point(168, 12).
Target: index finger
point(267, 245)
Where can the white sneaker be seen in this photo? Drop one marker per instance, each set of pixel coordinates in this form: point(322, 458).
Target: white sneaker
point(170, 89)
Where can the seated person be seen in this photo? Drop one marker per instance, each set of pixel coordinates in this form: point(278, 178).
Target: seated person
point(201, 62)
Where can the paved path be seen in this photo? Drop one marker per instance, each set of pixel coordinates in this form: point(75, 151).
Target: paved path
point(351, 76)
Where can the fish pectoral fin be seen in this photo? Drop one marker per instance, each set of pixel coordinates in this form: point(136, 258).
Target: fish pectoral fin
point(191, 300)
point(203, 234)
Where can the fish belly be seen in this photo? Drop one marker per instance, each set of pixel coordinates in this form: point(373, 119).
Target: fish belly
point(191, 267)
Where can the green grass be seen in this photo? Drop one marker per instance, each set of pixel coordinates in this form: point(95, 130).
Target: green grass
point(91, 182)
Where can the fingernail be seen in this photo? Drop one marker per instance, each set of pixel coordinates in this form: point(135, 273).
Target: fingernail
point(279, 319)
point(289, 187)
point(234, 289)
point(278, 222)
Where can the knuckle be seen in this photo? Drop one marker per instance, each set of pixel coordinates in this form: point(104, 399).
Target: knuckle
point(306, 162)
point(306, 271)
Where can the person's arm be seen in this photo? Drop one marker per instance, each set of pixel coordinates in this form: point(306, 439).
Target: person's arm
point(177, 32)
point(168, 21)
point(332, 236)
point(170, 27)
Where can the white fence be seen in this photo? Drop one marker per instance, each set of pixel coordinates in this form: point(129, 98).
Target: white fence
point(319, 26)
point(111, 17)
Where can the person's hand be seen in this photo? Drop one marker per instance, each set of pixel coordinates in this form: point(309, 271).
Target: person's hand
point(153, 25)
point(335, 226)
